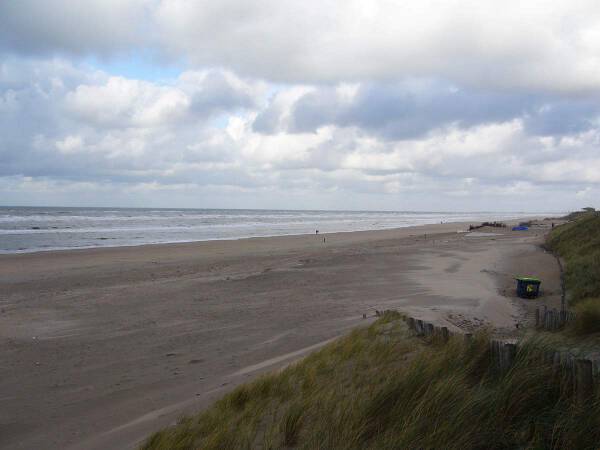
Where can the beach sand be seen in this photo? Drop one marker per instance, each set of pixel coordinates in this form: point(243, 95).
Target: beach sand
point(99, 348)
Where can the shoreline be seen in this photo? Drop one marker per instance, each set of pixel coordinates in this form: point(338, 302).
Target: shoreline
point(241, 238)
point(4, 253)
point(237, 238)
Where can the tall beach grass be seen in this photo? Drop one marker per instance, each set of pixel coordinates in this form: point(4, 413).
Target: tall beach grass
point(380, 388)
point(578, 243)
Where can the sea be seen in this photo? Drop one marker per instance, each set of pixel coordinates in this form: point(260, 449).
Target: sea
point(33, 229)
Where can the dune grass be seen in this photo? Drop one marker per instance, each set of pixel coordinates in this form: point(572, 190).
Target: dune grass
point(587, 317)
point(578, 243)
point(379, 388)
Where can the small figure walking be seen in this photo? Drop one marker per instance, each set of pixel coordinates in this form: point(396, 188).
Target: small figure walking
point(316, 231)
point(323, 240)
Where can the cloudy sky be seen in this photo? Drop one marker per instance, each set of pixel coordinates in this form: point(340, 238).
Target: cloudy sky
point(397, 105)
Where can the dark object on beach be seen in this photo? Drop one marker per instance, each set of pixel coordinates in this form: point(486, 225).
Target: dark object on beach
point(528, 287)
point(487, 224)
point(520, 228)
point(494, 224)
point(316, 231)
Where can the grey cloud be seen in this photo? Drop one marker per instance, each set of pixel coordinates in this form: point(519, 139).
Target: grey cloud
point(98, 27)
point(564, 116)
point(316, 109)
point(403, 111)
point(218, 94)
point(400, 112)
point(268, 120)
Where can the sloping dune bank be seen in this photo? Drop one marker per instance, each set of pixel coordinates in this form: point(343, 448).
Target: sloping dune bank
point(99, 348)
point(386, 387)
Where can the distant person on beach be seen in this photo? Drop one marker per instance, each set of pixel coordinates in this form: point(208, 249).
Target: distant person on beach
point(317, 232)
point(323, 240)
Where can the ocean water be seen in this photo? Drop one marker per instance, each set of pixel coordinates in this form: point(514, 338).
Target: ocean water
point(31, 229)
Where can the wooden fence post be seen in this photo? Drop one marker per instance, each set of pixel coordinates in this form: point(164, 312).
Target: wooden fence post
point(419, 327)
point(583, 381)
point(596, 366)
point(445, 334)
point(556, 364)
point(429, 329)
point(509, 351)
point(495, 353)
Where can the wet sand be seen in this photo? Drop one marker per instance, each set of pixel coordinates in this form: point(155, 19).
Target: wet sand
point(98, 348)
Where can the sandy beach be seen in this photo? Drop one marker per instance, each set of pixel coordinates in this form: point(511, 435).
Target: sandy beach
point(99, 348)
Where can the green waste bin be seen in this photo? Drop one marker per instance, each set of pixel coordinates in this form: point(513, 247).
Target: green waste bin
point(528, 287)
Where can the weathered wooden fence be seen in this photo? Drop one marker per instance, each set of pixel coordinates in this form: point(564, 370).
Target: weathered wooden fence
point(552, 319)
point(582, 372)
point(421, 328)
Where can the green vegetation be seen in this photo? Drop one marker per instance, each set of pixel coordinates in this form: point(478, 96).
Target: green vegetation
point(587, 319)
point(578, 243)
point(380, 388)
point(577, 214)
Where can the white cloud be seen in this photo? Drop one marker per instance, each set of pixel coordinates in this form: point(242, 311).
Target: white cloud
point(123, 103)
point(70, 144)
point(146, 136)
point(352, 104)
point(536, 45)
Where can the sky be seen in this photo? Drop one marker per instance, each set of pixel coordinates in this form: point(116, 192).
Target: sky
point(330, 104)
